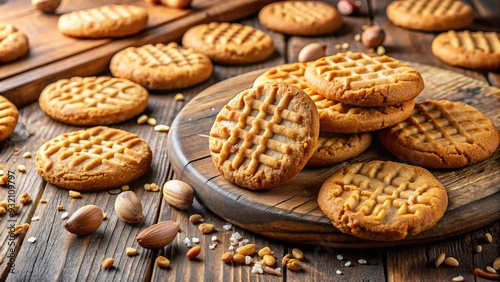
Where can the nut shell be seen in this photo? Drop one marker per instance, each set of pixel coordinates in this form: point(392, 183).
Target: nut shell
point(85, 220)
point(373, 36)
point(311, 52)
point(128, 207)
point(158, 235)
point(178, 194)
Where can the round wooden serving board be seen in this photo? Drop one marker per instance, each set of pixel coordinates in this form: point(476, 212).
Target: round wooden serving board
point(290, 212)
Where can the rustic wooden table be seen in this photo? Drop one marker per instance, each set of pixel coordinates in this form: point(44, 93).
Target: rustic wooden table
point(57, 255)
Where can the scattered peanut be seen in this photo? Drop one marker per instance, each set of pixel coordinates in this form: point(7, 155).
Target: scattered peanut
point(285, 260)
point(239, 258)
point(27, 155)
point(293, 264)
point(357, 37)
point(490, 269)
point(25, 198)
point(162, 262)
point(43, 201)
point(3, 211)
point(380, 50)
point(60, 208)
point(488, 238)
point(227, 257)
point(151, 121)
point(345, 45)
point(439, 259)
point(496, 263)
point(142, 119)
point(18, 229)
point(179, 97)
point(478, 249)
point(74, 194)
point(193, 252)
point(458, 278)
point(21, 168)
point(265, 251)
point(195, 218)
point(161, 128)
point(206, 228)
point(451, 261)
point(268, 260)
point(247, 250)
point(131, 251)
point(337, 46)
point(125, 188)
point(298, 254)
point(108, 263)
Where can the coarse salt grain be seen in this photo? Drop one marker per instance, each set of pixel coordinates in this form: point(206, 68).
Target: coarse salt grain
point(257, 269)
point(236, 236)
point(231, 248)
point(227, 227)
point(35, 218)
point(248, 259)
point(361, 261)
point(212, 246)
point(338, 272)
point(195, 240)
point(64, 215)
point(32, 239)
point(241, 243)
point(214, 238)
point(348, 263)
point(340, 257)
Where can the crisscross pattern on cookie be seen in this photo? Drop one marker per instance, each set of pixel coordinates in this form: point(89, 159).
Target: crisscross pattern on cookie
point(441, 123)
point(86, 150)
point(8, 117)
point(432, 7)
point(301, 11)
point(232, 34)
point(294, 74)
point(160, 55)
point(87, 93)
point(104, 13)
point(488, 42)
point(361, 71)
point(260, 130)
point(383, 191)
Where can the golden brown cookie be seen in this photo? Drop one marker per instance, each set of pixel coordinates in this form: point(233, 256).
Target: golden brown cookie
point(364, 80)
point(93, 159)
point(161, 66)
point(430, 15)
point(104, 21)
point(334, 148)
point(13, 43)
point(264, 135)
point(8, 118)
point(442, 134)
point(229, 43)
point(471, 49)
point(382, 201)
point(335, 116)
point(301, 17)
point(93, 100)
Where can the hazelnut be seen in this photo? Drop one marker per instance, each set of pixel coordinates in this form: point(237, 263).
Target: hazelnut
point(128, 207)
point(46, 6)
point(178, 194)
point(348, 7)
point(312, 52)
point(373, 36)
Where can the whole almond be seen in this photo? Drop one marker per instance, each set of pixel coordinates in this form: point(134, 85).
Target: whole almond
point(85, 220)
point(312, 52)
point(128, 207)
point(193, 252)
point(247, 250)
point(178, 194)
point(158, 235)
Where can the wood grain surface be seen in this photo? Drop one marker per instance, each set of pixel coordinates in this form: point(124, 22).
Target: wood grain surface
point(290, 212)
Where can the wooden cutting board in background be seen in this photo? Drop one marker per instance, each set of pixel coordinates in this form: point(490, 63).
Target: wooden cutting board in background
point(290, 212)
point(54, 56)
